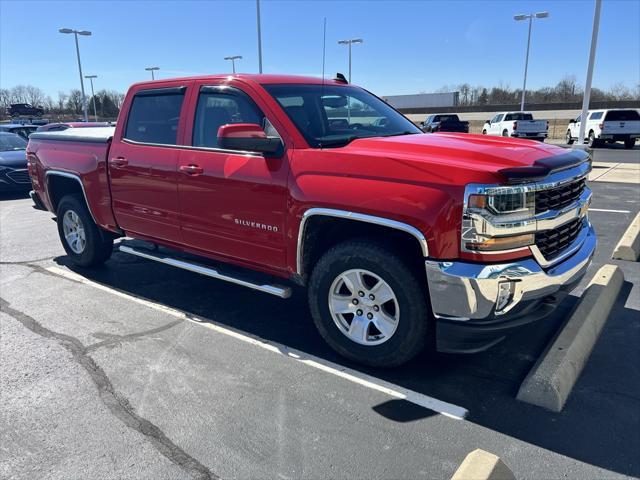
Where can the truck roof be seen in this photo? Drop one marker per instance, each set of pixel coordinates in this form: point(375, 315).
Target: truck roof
point(256, 78)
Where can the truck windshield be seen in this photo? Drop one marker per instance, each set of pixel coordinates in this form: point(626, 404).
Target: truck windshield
point(333, 115)
point(11, 141)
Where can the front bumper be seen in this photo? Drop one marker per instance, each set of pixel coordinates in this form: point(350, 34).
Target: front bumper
point(14, 179)
point(464, 296)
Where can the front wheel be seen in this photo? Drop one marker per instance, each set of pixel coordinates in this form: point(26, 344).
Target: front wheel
point(369, 305)
point(85, 243)
point(484, 132)
point(569, 138)
point(629, 143)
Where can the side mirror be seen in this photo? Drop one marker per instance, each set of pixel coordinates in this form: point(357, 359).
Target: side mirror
point(248, 137)
point(573, 120)
point(489, 122)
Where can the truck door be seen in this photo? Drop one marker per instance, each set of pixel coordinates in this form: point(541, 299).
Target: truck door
point(233, 204)
point(143, 163)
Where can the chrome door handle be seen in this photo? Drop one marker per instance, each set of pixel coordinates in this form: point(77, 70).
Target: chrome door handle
point(119, 162)
point(191, 169)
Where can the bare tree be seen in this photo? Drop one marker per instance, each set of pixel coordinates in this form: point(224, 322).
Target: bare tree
point(74, 102)
point(34, 95)
point(61, 102)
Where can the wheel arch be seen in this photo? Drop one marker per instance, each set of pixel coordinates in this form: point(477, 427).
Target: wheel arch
point(317, 221)
point(61, 183)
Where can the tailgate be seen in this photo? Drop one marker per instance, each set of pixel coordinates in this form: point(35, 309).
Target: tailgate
point(531, 126)
point(622, 127)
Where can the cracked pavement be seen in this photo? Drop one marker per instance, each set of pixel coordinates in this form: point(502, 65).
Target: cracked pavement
point(93, 385)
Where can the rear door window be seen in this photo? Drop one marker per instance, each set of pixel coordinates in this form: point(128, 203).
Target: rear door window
point(622, 115)
point(154, 116)
point(595, 116)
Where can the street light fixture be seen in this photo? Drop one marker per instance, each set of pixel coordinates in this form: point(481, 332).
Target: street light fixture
point(152, 69)
point(85, 33)
point(233, 59)
point(529, 17)
point(93, 95)
point(350, 42)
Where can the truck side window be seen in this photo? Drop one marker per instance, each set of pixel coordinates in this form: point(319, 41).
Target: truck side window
point(153, 117)
point(216, 109)
point(595, 116)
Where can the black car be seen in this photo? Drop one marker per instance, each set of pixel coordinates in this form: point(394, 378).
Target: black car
point(25, 109)
point(13, 163)
point(445, 123)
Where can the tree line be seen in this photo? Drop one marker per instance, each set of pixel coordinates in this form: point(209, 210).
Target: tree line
point(566, 90)
point(108, 102)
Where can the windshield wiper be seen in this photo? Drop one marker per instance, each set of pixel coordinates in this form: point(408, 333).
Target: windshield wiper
point(338, 142)
point(406, 132)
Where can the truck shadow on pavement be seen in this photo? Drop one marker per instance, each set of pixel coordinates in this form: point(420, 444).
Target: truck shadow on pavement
point(600, 424)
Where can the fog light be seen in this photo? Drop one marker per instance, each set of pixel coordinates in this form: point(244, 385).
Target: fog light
point(505, 295)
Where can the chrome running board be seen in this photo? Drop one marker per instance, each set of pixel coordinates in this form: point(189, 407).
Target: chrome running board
point(277, 290)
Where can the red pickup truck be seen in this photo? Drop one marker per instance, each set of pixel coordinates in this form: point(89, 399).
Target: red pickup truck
point(403, 240)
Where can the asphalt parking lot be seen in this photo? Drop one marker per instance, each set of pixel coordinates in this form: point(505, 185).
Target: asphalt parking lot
point(139, 370)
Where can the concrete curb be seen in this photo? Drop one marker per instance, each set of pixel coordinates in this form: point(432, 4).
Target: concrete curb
point(481, 465)
point(628, 247)
point(552, 378)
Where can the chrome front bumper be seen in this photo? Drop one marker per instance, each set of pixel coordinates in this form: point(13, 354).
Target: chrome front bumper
point(462, 291)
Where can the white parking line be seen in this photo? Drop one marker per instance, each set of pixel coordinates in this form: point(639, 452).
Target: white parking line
point(609, 211)
point(373, 383)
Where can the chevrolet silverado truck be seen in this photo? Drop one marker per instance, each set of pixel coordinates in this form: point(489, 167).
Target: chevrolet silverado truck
point(621, 125)
point(403, 240)
point(516, 124)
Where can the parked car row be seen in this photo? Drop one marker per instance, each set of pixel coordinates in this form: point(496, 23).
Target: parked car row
point(603, 126)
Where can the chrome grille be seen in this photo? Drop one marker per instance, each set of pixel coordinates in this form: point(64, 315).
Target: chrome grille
point(19, 176)
point(559, 197)
point(551, 243)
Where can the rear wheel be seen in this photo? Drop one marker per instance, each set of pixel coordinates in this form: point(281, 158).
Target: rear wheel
point(85, 243)
point(369, 305)
point(593, 141)
point(505, 133)
point(629, 143)
point(568, 138)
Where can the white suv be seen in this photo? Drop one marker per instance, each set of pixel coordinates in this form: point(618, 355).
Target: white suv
point(516, 124)
point(620, 125)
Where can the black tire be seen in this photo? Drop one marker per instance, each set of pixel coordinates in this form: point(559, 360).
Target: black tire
point(505, 133)
point(629, 143)
point(413, 325)
point(569, 138)
point(98, 243)
point(593, 141)
point(484, 132)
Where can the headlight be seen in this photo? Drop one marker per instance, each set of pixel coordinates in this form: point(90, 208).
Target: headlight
point(493, 206)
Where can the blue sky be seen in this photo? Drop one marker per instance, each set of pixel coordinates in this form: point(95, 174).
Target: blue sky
point(409, 46)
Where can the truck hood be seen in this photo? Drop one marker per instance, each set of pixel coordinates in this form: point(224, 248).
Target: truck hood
point(508, 158)
point(13, 159)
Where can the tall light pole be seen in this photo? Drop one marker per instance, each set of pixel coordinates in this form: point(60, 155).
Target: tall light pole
point(233, 59)
point(259, 37)
point(76, 33)
point(592, 58)
point(93, 95)
point(529, 17)
point(350, 42)
point(152, 69)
